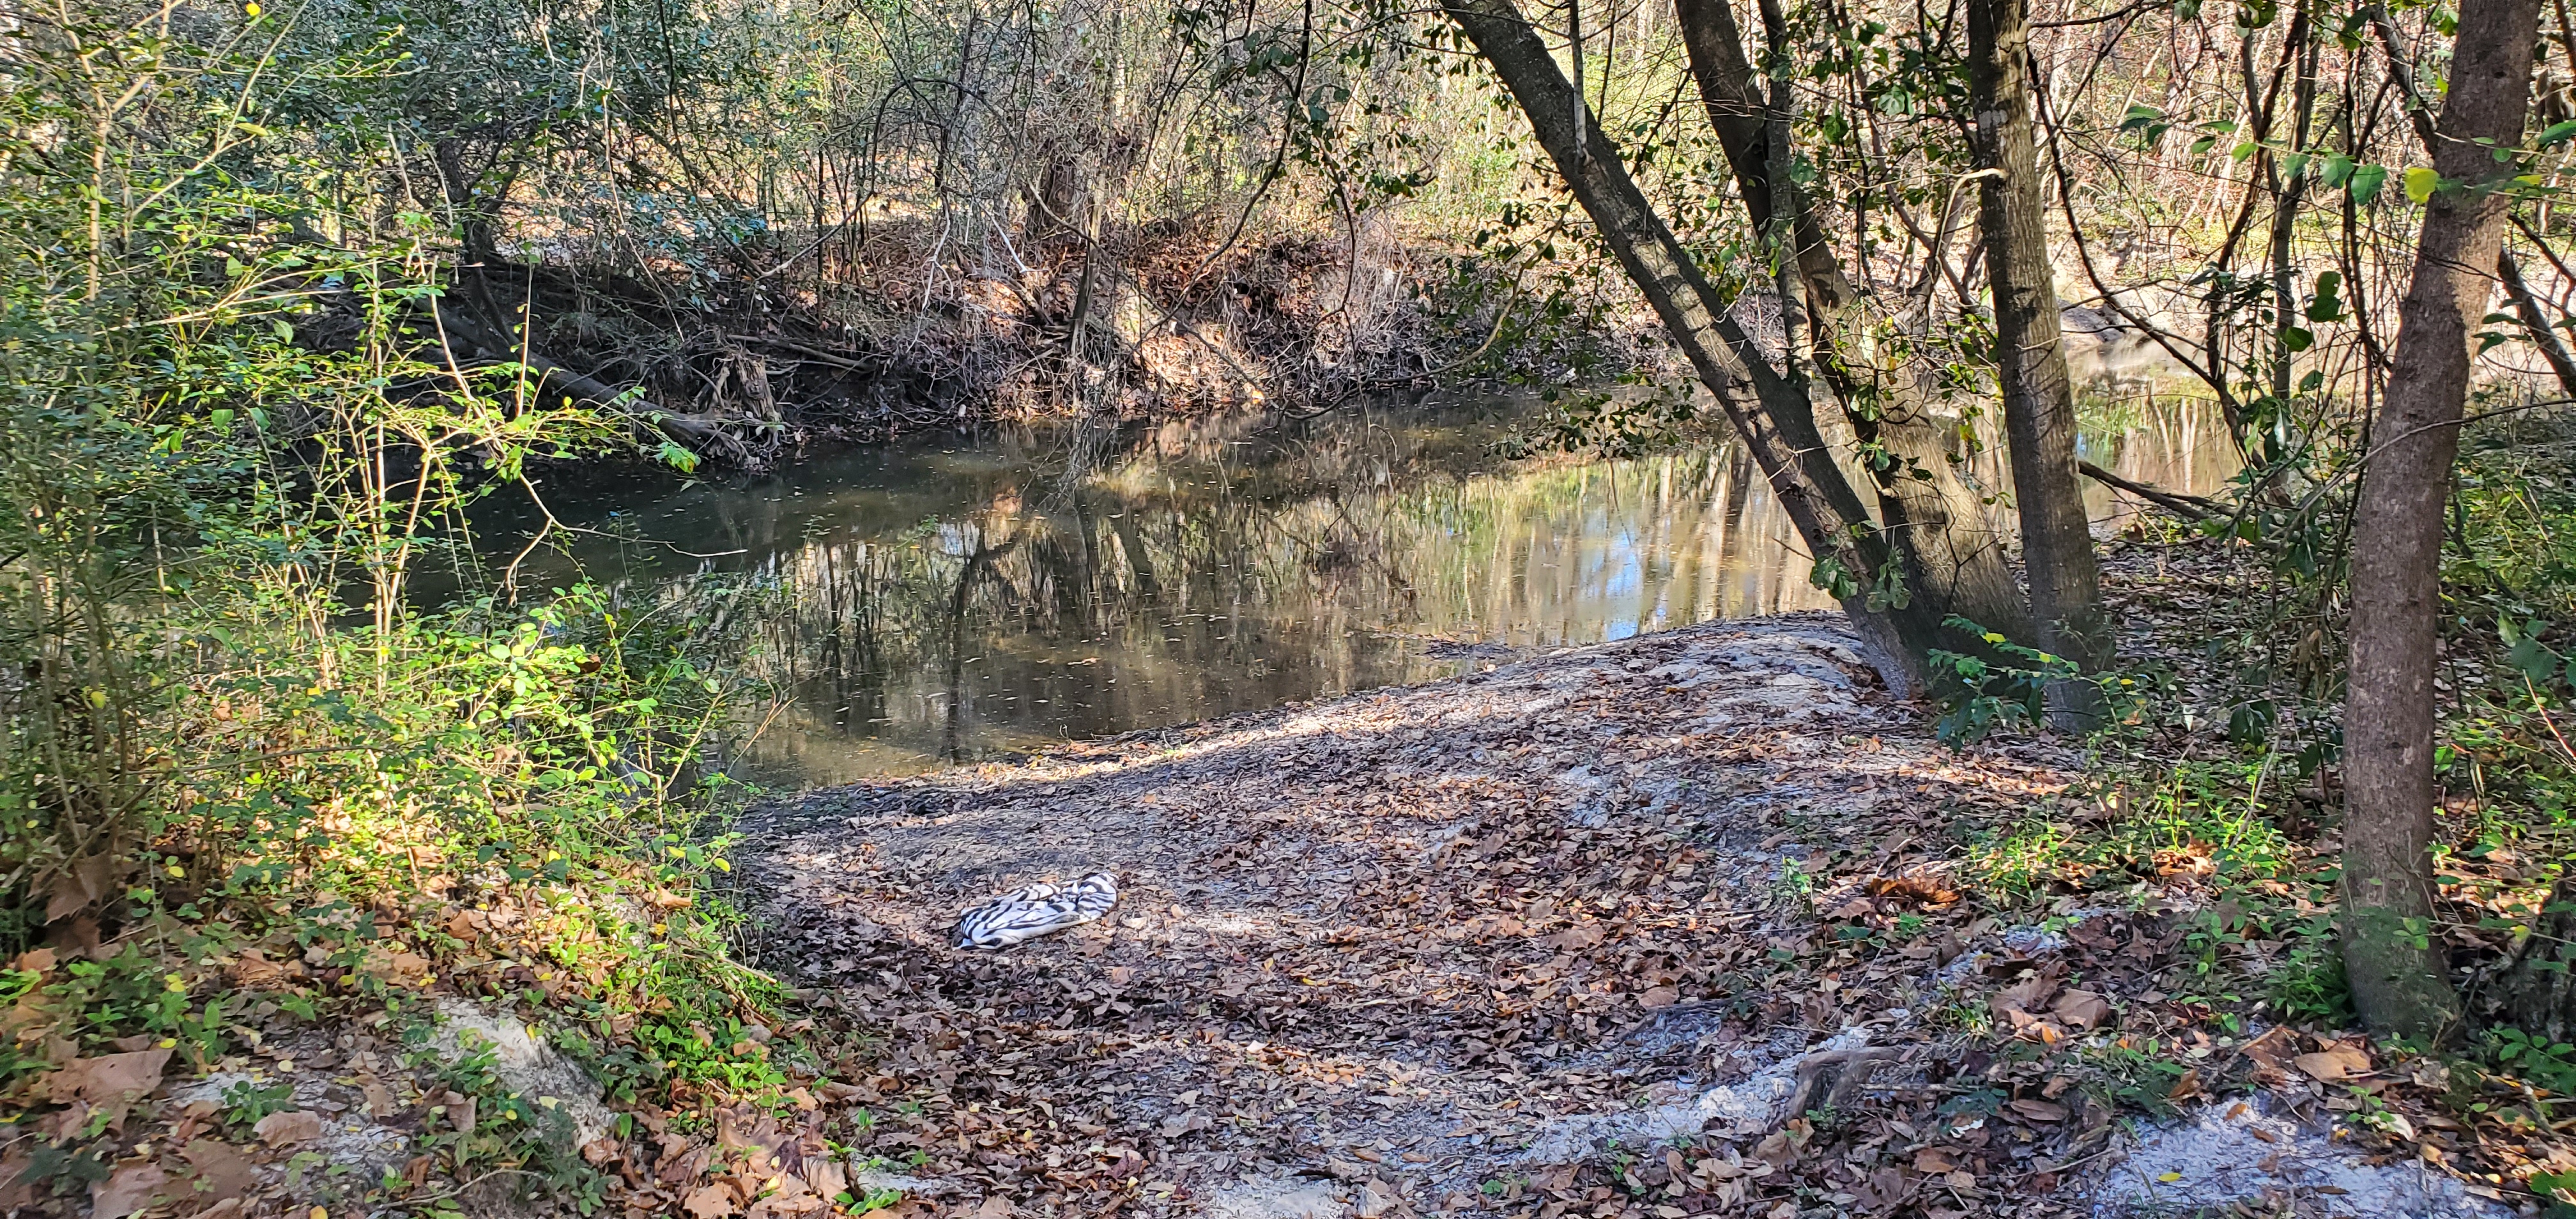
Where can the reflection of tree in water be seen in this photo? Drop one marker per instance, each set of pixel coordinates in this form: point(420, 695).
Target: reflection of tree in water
point(1191, 575)
point(922, 604)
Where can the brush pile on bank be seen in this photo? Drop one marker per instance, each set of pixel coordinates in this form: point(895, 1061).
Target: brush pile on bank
point(857, 337)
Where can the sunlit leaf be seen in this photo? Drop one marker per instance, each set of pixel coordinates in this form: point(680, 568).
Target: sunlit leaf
point(2421, 182)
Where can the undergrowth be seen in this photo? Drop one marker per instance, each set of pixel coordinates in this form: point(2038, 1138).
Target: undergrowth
point(251, 788)
point(2213, 793)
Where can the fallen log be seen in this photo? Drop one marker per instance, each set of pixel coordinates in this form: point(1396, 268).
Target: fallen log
point(2189, 507)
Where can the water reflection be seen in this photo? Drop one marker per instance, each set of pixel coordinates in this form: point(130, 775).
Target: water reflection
point(928, 603)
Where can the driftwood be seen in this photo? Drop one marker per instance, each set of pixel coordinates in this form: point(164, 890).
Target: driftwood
point(488, 347)
point(2189, 507)
point(1835, 1080)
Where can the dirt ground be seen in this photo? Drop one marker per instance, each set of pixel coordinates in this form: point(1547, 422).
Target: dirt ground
point(1428, 949)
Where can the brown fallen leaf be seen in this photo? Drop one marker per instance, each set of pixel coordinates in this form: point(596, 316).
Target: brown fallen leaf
point(108, 1079)
point(127, 1190)
point(287, 1128)
point(405, 965)
point(83, 886)
point(1659, 997)
point(2274, 1048)
point(2081, 1009)
point(221, 1170)
point(1584, 936)
point(2028, 998)
point(2038, 1110)
point(2185, 1087)
point(2324, 1068)
point(459, 1109)
point(2355, 1058)
point(710, 1201)
point(1913, 889)
point(792, 1198)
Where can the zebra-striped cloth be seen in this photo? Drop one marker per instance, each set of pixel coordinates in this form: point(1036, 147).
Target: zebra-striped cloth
point(1027, 913)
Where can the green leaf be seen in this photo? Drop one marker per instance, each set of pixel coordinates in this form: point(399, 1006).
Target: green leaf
point(2421, 182)
point(2535, 660)
point(2295, 339)
point(2338, 171)
point(2558, 133)
point(2146, 122)
point(2367, 181)
point(2327, 305)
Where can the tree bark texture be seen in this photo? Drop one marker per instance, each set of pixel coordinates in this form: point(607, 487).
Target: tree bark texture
point(1953, 558)
point(2392, 955)
point(2030, 357)
point(1774, 418)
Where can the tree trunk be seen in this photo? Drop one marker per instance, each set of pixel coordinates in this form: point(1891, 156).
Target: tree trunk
point(2400, 980)
point(2030, 359)
point(1774, 418)
point(1952, 558)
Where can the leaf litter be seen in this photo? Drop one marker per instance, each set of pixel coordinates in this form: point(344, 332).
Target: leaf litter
point(1439, 948)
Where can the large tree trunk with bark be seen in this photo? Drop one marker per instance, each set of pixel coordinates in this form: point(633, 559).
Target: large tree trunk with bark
point(2030, 359)
point(1953, 558)
point(2400, 980)
point(1774, 417)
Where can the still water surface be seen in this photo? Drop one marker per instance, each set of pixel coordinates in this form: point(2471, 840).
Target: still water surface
point(967, 597)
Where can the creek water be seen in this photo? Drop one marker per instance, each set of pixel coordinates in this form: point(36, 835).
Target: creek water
point(966, 597)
